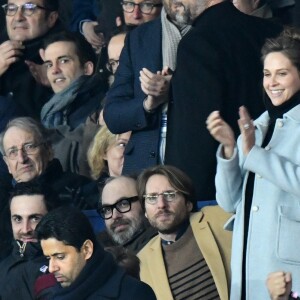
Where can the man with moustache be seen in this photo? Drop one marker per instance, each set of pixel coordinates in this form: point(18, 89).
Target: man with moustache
point(28, 203)
point(191, 254)
point(218, 68)
point(137, 101)
point(124, 218)
point(27, 24)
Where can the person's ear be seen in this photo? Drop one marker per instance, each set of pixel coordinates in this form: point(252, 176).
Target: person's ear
point(52, 18)
point(42, 54)
point(87, 249)
point(189, 206)
point(255, 4)
point(88, 68)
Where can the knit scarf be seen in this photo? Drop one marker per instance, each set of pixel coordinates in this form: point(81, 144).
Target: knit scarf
point(171, 37)
point(54, 111)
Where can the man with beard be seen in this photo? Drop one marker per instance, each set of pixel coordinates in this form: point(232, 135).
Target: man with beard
point(124, 218)
point(191, 254)
point(218, 68)
point(137, 101)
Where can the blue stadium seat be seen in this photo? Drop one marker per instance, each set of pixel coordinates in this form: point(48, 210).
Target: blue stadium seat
point(201, 204)
point(96, 221)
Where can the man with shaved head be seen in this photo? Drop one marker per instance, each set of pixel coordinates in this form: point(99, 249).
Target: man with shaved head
point(124, 218)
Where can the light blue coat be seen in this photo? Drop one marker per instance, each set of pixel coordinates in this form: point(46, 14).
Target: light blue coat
point(274, 226)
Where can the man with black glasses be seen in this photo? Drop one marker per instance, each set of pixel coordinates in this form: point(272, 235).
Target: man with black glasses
point(125, 221)
point(191, 254)
point(27, 23)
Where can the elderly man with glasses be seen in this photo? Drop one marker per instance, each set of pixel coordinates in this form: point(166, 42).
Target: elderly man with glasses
point(27, 23)
point(124, 218)
point(191, 254)
point(27, 151)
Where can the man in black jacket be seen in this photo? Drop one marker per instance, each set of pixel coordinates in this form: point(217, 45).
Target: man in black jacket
point(28, 203)
point(27, 151)
point(218, 68)
point(27, 23)
point(82, 269)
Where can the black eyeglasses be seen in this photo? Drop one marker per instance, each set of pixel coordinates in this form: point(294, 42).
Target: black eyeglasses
point(29, 148)
point(145, 7)
point(112, 65)
point(152, 198)
point(122, 206)
point(27, 9)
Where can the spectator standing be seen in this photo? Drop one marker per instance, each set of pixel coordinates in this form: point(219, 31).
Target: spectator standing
point(137, 101)
point(258, 178)
point(221, 58)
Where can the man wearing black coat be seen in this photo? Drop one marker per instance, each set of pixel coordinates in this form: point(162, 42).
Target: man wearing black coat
point(81, 267)
point(28, 203)
point(218, 68)
point(27, 24)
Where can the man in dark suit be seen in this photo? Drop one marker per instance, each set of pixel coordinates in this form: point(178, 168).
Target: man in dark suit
point(137, 100)
point(218, 68)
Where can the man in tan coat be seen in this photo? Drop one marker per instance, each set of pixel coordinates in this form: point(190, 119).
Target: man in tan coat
point(191, 254)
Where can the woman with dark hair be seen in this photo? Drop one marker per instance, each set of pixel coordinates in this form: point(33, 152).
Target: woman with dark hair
point(258, 178)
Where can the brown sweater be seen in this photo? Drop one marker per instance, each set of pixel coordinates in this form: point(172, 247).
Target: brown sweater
point(188, 274)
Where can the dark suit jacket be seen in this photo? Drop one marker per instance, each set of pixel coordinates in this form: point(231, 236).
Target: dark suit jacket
point(218, 68)
point(124, 110)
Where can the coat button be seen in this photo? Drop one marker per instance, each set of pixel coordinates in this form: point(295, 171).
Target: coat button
point(255, 208)
point(280, 124)
point(259, 176)
point(152, 154)
point(268, 147)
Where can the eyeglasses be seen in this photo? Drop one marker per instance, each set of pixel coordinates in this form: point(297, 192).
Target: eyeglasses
point(112, 65)
point(122, 206)
point(168, 196)
point(27, 149)
point(27, 9)
point(145, 7)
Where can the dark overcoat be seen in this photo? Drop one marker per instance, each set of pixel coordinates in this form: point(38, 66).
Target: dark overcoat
point(218, 68)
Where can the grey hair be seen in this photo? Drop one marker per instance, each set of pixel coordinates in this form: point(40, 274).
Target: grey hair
point(29, 125)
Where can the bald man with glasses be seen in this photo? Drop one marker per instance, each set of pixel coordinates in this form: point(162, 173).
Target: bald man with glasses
point(124, 218)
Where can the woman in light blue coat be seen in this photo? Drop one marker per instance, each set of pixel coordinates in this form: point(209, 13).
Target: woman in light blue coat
point(258, 178)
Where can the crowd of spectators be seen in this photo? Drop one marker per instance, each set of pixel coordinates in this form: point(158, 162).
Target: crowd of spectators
point(141, 111)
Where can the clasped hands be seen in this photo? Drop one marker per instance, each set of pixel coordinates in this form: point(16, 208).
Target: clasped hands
point(224, 134)
point(155, 86)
